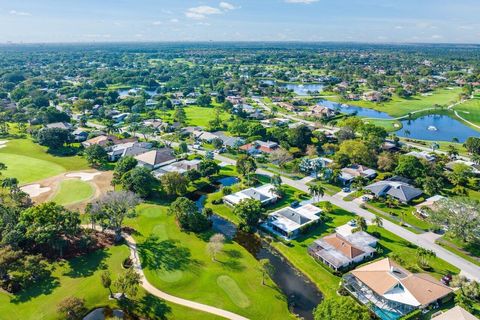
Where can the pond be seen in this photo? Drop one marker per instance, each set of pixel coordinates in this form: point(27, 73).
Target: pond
point(354, 110)
point(125, 92)
point(302, 295)
point(436, 128)
point(301, 89)
point(430, 127)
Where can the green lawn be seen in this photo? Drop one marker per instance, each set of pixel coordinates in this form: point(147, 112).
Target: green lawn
point(408, 214)
point(468, 251)
point(470, 110)
point(80, 277)
point(178, 263)
point(389, 125)
point(296, 252)
point(73, 191)
point(199, 116)
point(399, 107)
point(29, 162)
point(391, 243)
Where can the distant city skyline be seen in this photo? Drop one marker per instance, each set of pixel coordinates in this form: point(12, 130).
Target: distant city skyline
point(379, 21)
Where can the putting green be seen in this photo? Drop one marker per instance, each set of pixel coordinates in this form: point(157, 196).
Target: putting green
point(72, 191)
point(28, 169)
point(233, 291)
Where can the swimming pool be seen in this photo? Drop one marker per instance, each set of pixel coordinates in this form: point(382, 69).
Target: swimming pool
point(386, 314)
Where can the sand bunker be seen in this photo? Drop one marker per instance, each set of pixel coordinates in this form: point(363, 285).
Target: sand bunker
point(84, 176)
point(3, 144)
point(34, 190)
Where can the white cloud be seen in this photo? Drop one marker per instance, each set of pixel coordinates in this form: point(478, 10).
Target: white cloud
point(20, 13)
point(301, 1)
point(437, 36)
point(174, 20)
point(399, 27)
point(201, 12)
point(227, 6)
point(157, 23)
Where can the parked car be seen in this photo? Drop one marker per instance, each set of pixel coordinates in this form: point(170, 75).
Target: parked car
point(446, 279)
point(365, 199)
point(294, 204)
point(346, 189)
point(352, 223)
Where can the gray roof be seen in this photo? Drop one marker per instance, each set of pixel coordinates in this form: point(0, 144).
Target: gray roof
point(293, 215)
point(254, 194)
point(396, 189)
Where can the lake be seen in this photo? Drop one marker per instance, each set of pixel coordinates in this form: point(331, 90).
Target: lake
point(354, 110)
point(301, 89)
point(447, 129)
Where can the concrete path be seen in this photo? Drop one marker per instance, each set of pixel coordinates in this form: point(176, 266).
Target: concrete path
point(167, 297)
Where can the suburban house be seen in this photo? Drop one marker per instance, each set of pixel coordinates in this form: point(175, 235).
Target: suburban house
point(393, 291)
point(456, 313)
point(338, 251)
point(229, 141)
point(120, 117)
point(475, 167)
point(429, 204)
point(264, 194)
point(80, 135)
point(155, 159)
point(424, 155)
point(319, 111)
point(348, 174)
point(128, 149)
point(259, 146)
point(180, 167)
point(106, 141)
point(59, 125)
point(399, 190)
point(288, 106)
point(289, 222)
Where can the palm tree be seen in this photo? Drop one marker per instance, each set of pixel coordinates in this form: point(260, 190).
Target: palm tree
point(407, 133)
point(111, 128)
point(452, 152)
point(378, 221)
point(361, 224)
point(316, 191)
point(434, 146)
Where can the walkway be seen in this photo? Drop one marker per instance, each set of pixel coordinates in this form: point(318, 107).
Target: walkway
point(165, 296)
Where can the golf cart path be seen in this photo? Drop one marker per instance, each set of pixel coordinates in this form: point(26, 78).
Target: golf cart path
point(165, 296)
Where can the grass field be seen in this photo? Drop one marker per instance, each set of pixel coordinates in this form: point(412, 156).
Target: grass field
point(470, 110)
point(72, 191)
point(81, 277)
point(389, 125)
point(198, 116)
point(29, 162)
point(398, 107)
point(178, 263)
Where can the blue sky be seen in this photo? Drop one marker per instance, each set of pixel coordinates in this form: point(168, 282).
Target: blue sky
point(432, 21)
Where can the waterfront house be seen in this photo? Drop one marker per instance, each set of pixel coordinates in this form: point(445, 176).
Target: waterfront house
point(180, 167)
point(392, 291)
point(289, 222)
point(338, 251)
point(423, 155)
point(265, 194)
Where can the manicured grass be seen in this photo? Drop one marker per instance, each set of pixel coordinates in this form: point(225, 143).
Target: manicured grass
point(199, 116)
point(296, 252)
point(389, 125)
point(468, 251)
point(80, 277)
point(470, 110)
point(29, 162)
point(399, 107)
point(408, 214)
point(393, 244)
point(73, 191)
point(178, 263)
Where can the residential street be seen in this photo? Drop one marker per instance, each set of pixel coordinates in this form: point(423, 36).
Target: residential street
point(426, 240)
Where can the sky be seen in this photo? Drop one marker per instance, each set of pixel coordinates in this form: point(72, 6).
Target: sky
point(383, 21)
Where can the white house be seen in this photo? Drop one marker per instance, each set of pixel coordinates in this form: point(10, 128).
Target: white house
point(289, 222)
point(264, 194)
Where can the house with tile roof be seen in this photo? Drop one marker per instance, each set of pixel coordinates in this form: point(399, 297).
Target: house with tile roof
point(392, 291)
point(338, 251)
point(456, 313)
point(155, 159)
